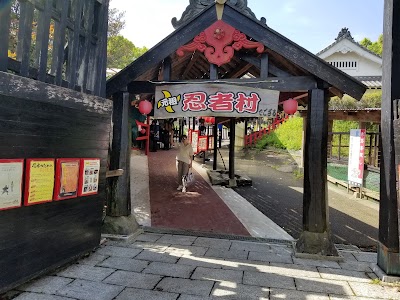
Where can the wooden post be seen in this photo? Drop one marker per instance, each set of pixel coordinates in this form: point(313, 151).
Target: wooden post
point(303, 141)
point(330, 137)
point(119, 194)
point(214, 76)
point(5, 17)
point(232, 179)
point(264, 67)
point(215, 137)
point(388, 248)
point(315, 238)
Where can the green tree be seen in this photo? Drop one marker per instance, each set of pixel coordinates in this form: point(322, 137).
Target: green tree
point(121, 52)
point(116, 21)
point(375, 47)
point(371, 99)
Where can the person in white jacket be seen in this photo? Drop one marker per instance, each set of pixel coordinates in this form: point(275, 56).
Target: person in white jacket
point(183, 160)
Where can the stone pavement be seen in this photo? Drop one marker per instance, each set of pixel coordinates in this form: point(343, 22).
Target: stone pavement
point(165, 266)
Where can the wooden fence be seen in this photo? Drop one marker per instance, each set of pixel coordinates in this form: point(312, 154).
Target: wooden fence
point(56, 41)
point(338, 147)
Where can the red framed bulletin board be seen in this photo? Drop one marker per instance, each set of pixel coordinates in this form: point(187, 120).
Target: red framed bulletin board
point(67, 178)
point(89, 176)
point(11, 181)
point(39, 181)
point(202, 144)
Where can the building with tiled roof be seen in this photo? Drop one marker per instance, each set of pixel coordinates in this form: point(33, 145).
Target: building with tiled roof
point(354, 59)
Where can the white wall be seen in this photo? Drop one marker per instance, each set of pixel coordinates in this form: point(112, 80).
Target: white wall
point(365, 67)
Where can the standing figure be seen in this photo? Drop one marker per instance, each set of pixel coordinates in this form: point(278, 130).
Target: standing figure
point(154, 135)
point(183, 161)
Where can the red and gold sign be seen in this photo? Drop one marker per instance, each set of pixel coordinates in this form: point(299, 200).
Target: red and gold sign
point(219, 42)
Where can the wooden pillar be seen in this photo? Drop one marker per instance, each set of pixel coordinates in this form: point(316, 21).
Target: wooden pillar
point(264, 67)
point(215, 137)
point(330, 137)
point(180, 129)
point(194, 123)
point(316, 238)
point(5, 17)
point(119, 187)
point(214, 76)
point(232, 179)
point(303, 141)
point(388, 248)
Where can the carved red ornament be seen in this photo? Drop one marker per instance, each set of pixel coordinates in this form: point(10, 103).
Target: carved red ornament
point(218, 43)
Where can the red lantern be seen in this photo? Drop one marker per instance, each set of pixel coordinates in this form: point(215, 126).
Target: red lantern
point(142, 131)
point(145, 107)
point(290, 106)
point(209, 120)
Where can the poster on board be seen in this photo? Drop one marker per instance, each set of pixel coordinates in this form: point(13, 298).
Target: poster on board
point(67, 178)
point(89, 176)
point(11, 178)
point(356, 157)
point(195, 140)
point(39, 181)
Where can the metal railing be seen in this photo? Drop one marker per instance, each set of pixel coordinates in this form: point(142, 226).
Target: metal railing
point(252, 138)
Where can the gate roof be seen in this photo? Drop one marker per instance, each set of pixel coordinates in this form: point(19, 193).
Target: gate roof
point(294, 69)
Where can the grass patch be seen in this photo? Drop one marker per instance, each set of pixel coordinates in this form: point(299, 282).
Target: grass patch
point(287, 136)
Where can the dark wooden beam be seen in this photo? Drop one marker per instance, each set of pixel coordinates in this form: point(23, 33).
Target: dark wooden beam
point(294, 53)
point(256, 61)
point(239, 71)
point(119, 191)
point(42, 40)
point(283, 84)
point(388, 249)
point(315, 238)
point(193, 60)
point(291, 68)
point(74, 40)
point(179, 37)
point(264, 69)
point(214, 76)
point(167, 69)
point(59, 44)
point(232, 127)
point(25, 37)
point(5, 17)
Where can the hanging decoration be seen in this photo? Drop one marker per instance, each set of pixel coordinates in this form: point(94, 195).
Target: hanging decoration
point(290, 106)
point(209, 120)
point(145, 107)
point(218, 42)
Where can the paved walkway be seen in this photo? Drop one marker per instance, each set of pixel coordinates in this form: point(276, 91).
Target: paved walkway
point(164, 267)
point(199, 209)
point(207, 208)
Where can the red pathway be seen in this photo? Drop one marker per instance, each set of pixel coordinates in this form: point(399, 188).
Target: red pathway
point(199, 209)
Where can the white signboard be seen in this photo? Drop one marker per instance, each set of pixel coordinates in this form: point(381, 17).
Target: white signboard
point(356, 157)
point(217, 100)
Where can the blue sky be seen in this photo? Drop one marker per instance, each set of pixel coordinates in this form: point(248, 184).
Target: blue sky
point(313, 24)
